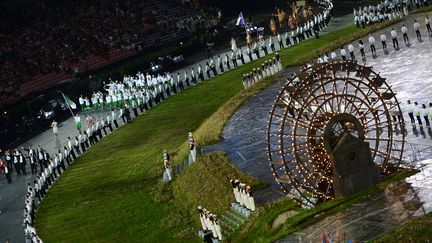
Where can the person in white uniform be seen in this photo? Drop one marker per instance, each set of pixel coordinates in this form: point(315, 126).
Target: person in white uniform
point(418, 113)
point(235, 190)
point(243, 198)
point(168, 171)
point(410, 111)
point(202, 217)
point(343, 54)
point(77, 120)
point(371, 40)
point(54, 126)
point(394, 35)
point(428, 24)
point(404, 31)
point(417, 29)
point(351, 51)
point(192, 148)
point(383, 38)
point(250, 198)
point(233, 44)
point(217, 227)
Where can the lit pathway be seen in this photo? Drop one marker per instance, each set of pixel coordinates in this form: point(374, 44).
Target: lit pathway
point(409, 73)
point(378, 213)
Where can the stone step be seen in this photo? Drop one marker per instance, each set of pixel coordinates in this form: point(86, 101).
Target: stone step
point(226, 219)
point(234, 218)
point(234, 214)
point(240, 210)
point(227, 228)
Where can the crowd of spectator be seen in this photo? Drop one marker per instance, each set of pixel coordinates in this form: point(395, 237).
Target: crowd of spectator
point(66, 37)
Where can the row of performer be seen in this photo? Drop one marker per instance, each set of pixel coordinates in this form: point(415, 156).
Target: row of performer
point(135, 90)
point(30, 233)
point(51, 169)
point(18, 159)
point(148, 89)
point(343, 54)
point(243, 194)
point(211, 229)
point(385, 10)
point(267, 69)
point(210, 225)
point(48, 168)
point(417, 111)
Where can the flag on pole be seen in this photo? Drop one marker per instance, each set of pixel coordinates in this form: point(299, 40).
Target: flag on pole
point(69, 102)
point(240, 20)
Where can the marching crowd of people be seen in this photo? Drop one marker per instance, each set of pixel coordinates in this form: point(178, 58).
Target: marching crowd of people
point(135, 92)
point(418, 112)
point(48, 167)
point(268, 68)
point(393, 34)
point(309, 27)
point(386, 10)
point(29, 214)
point(302, 22)
point(145, 89)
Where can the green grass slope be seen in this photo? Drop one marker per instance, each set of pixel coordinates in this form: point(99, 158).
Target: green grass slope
point(417, 230)
point(207, 184)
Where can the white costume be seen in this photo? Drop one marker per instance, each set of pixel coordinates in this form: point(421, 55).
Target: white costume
point(192, 148)
point(218, 228)
point(168, 170)
point(251, 200)
point(236, 191)
point(54, 127)
point(201, 215)
point(233, 45)
point(243, 198)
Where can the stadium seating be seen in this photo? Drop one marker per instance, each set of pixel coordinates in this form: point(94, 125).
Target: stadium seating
point(50, 43)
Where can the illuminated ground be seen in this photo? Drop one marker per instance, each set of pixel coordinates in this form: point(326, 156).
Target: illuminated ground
point(409, 73)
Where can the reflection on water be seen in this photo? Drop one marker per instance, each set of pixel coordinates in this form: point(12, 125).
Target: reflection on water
point(422, 185)
point(380, 212)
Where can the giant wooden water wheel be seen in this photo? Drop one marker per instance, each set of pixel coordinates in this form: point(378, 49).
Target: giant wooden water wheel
point(314, 108)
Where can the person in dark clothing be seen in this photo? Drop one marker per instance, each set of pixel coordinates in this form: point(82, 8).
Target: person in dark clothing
point(208, 237)
point(9, 160)
point(16, 163)
point(127, 114)
point(8, 173)
point(4, 168)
